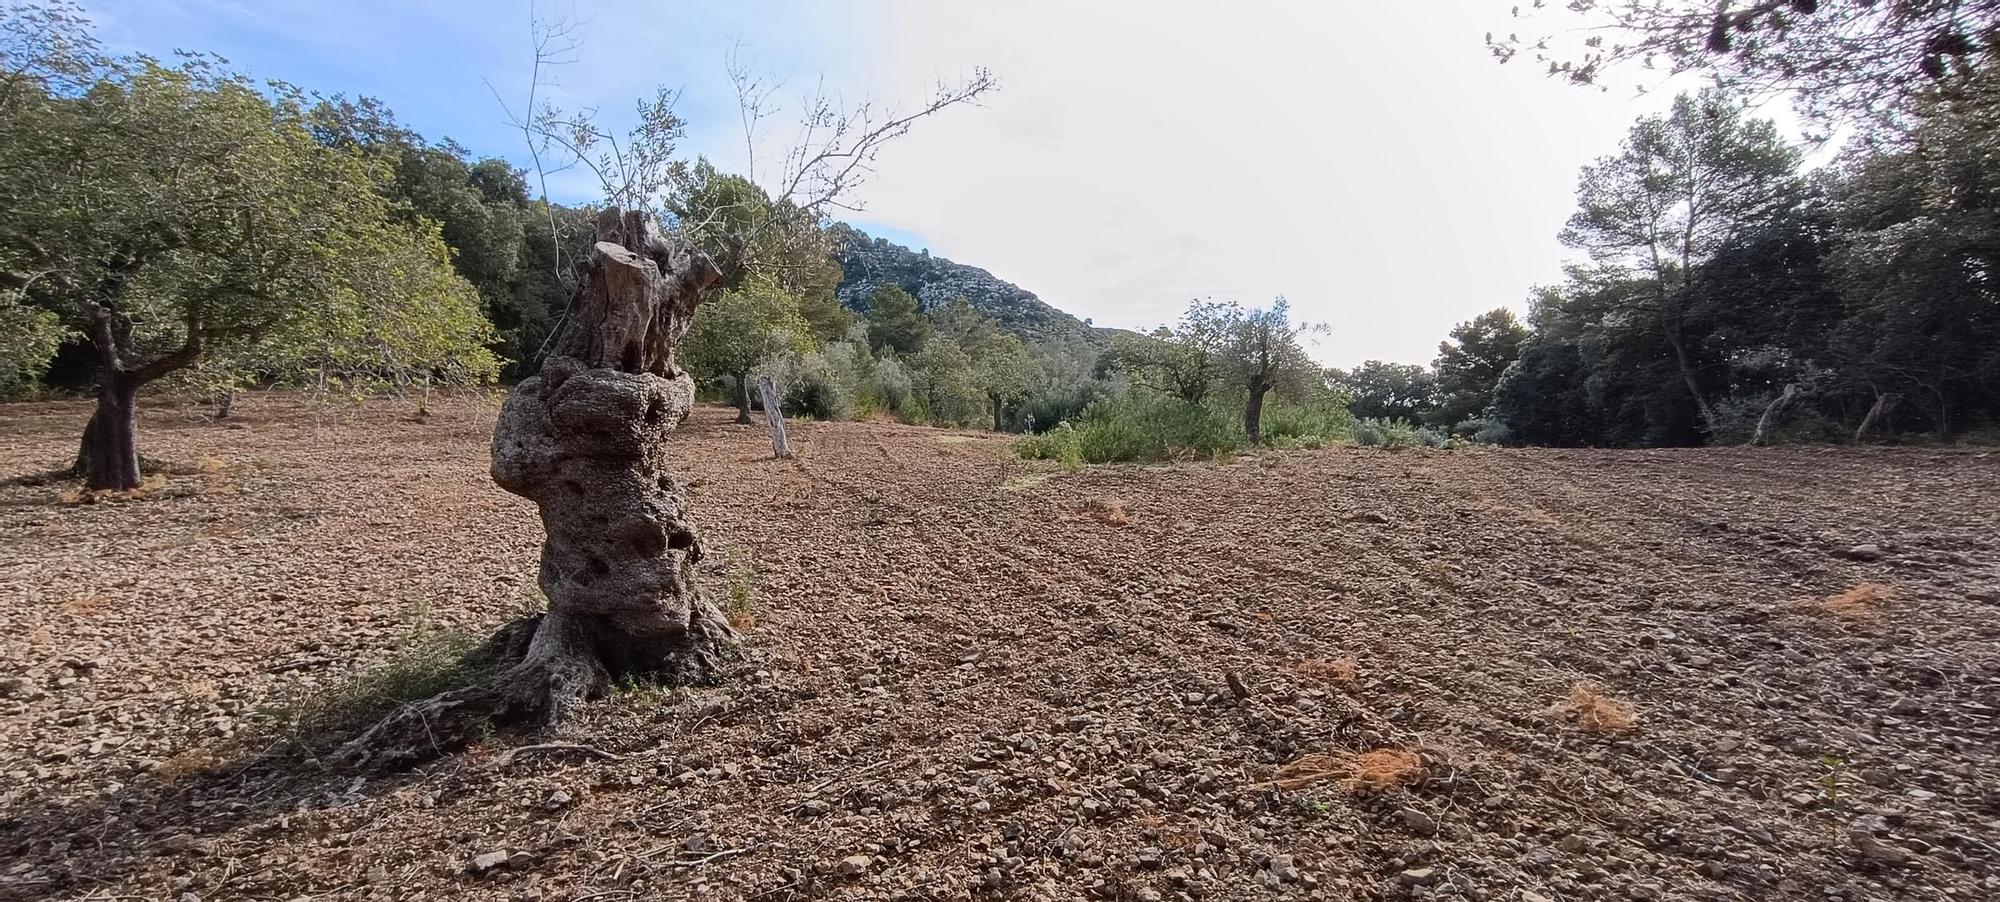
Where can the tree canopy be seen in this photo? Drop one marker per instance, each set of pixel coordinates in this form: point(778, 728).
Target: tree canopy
point(1843, 60)
point(161, 213)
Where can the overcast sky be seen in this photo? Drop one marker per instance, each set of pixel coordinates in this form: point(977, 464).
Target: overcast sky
point(1368, 160)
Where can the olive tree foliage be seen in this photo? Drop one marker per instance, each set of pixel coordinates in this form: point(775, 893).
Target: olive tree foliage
point(29, 337)
point(1184, 360)
point(1684, 186)
point(1001, 368)
point(1262, 352)
point(944, 381)
point(1852, 61)
point(166, 212)
point(742, 329)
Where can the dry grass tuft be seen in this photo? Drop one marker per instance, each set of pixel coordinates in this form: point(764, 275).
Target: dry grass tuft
point(742, 610)
point(1025, 481)
point(1372, 771)
point(1592, 711)
point(147, 486)
point(84, 604)
point(1340, 671)
point(188, 762)
point(1863, 602)
point(1108, 510)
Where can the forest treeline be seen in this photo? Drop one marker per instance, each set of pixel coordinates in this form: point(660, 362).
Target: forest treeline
point(1732, 296)
point(176, 221)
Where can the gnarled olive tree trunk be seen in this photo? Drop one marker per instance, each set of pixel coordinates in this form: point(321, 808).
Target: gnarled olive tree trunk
point(585, 440)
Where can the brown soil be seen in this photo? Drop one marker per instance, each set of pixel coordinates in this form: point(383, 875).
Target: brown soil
point(955, 685)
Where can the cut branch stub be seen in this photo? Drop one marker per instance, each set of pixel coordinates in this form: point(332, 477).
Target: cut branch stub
point(638, 297)
point(586, 441)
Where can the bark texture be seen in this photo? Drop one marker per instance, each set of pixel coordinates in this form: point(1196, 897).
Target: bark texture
point(1878, 414)
point(585, 440)
point(1773, 412)
point(1253, 412)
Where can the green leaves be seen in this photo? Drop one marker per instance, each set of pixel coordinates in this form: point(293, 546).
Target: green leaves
point(172, 211)
point(742, 328)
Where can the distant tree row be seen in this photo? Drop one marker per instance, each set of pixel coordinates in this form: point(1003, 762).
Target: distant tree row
point(1732, 297)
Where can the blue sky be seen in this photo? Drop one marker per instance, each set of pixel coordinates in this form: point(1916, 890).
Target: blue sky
point(1367, 160)
point(445, 68)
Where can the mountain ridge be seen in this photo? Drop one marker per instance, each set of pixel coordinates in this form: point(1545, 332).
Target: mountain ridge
point(868, 263)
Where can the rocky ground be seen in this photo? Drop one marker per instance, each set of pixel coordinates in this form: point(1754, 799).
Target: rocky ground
point(1340, 674)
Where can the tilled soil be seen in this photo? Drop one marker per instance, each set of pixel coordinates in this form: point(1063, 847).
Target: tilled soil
point(971, 676)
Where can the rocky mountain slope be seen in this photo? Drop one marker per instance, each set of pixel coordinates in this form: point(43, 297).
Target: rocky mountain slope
point(869, 263)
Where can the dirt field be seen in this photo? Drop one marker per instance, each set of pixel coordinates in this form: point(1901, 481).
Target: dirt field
point(972, 676)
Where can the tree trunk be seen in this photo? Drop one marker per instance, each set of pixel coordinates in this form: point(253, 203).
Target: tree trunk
point(996, 413)
point(1878, 413)
point(109, 454)
point(585, 440)
point(1772, 411)
point(742, 399)
point(1686, 368)
point(1253, 412)
point(774, 417)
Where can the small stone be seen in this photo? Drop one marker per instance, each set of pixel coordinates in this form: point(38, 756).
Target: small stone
point(184, 844)
point(557, 800)
point(488, 861)
point(854, 865)
point(1862, 834)
point(1867, 552)
point(1418, 876)
point(1419, 823)
point(1646, 892)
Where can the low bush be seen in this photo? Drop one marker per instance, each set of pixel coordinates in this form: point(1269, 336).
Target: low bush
point(1311, 425)
point(1059, 444)
point(1140, 428)
point(1393, 435)
point(1136, 428)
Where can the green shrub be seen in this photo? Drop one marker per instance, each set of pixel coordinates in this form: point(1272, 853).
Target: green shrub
point(1372, 432)
point(1059, 444)
point(1137, 428)
point(1311, 425)
point(887, 390)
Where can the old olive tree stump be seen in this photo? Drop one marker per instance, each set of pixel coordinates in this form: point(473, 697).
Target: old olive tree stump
point(585, 440)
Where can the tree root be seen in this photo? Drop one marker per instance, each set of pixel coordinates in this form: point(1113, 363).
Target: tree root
point(559, 662)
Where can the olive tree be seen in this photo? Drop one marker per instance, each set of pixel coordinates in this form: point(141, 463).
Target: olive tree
point(741, 329)
point(1263, 352)
point(163, 212)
